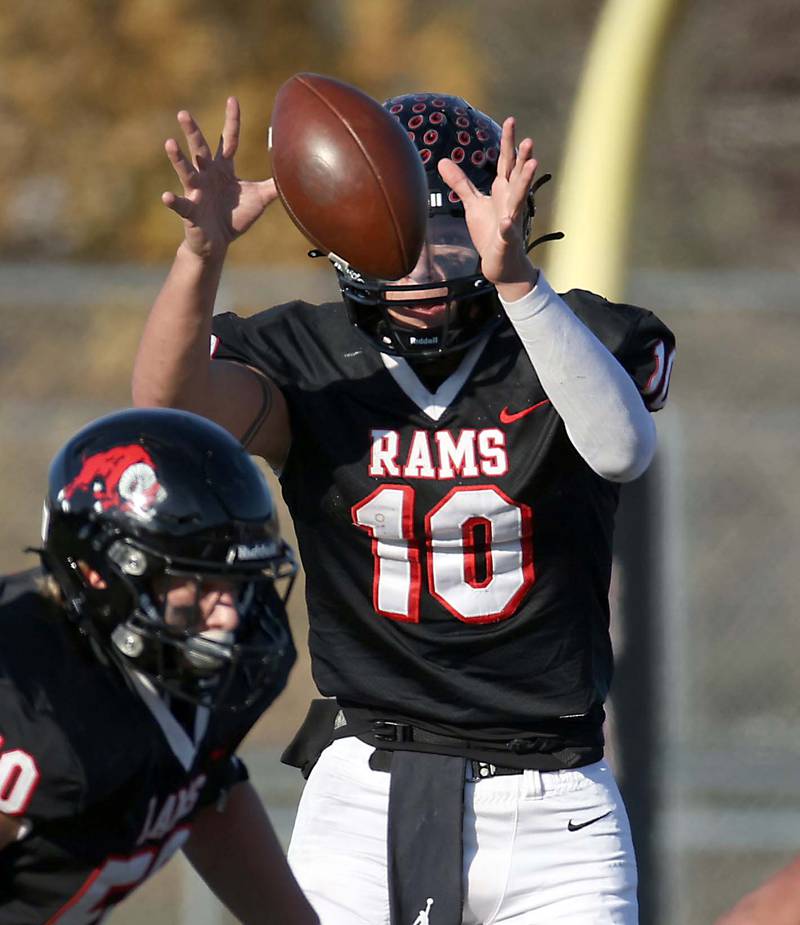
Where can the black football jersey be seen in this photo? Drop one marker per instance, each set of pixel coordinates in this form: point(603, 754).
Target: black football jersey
point(104, 777)
point(457, 548)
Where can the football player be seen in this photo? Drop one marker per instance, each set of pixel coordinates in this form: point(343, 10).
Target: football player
point(451, 448)
point(133, 660)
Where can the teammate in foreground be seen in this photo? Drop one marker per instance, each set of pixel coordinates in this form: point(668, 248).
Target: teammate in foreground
point(132, 663)
point(450, 447)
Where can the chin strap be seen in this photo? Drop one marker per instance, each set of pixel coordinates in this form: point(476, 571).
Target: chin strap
point(550, 236)
point(540, 182)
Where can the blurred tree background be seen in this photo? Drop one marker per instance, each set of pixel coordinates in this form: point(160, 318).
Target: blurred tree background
point(90, 90)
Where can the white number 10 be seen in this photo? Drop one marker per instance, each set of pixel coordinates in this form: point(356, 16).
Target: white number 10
point(478, 549)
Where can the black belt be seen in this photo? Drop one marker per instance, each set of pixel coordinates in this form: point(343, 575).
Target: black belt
point(381, 760)
point(397, 732)
point(543, 751)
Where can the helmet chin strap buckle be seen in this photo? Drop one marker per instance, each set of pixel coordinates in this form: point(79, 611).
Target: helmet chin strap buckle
point(343, 267)
point(339, 263)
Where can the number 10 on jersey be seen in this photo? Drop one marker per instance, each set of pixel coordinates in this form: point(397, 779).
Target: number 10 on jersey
point(477, 552)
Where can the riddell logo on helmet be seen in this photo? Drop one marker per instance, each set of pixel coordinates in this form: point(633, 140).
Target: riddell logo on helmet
point(243, 553)
point(423, 340)
point(122, 478)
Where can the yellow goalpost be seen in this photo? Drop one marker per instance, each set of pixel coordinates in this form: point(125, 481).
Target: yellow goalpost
point(597, 179)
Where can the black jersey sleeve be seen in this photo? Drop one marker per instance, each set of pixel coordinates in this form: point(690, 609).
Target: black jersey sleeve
point(294, 344)
point(221, 776)
point(285, 342)
point(247, 340)
point(641, 342)
point(39, 776)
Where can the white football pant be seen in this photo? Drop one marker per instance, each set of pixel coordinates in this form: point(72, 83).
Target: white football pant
point(540, 848)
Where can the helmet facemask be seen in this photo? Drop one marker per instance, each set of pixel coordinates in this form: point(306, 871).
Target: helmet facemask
point(136, 619)
point(165, 636)
point(444, 303)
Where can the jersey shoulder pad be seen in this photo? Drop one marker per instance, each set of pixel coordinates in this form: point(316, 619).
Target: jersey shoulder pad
point(641, 342)
point(292, 343)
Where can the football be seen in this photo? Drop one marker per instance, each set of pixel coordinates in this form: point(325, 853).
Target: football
point(348, 175)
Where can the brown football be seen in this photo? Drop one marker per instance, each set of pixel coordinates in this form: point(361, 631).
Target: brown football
point(348, 175)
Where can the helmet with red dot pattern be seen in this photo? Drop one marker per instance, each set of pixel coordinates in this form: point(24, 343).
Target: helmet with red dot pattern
point(442, 126)
point(460, 305)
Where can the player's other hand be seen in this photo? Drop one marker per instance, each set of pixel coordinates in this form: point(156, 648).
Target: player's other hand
point(496, 222)
point(216, 206)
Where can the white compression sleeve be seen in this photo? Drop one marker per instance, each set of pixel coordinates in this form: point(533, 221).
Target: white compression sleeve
point(604, 415)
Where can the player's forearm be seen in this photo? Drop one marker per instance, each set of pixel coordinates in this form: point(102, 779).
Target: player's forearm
point(604, 415)
point(238, 855)
point(172, 363)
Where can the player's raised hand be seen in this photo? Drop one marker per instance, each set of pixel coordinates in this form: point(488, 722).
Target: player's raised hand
point(496, 222)
point(216, 206)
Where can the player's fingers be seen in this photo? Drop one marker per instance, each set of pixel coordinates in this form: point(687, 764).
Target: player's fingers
point(457, 180)
point(508, 156)
point(521, 172)
point(524, 154)
point(181, 164)
point(514, 193)
point(522, 178)
point(231, 128)
point(179, 204)
point(198, 146)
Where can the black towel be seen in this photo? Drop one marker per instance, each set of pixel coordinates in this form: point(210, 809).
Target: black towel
point(426, 818)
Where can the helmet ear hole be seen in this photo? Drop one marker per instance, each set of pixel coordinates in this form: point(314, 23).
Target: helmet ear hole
point(93, 578)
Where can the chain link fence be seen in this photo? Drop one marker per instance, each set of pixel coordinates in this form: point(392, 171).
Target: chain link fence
point(727, 531)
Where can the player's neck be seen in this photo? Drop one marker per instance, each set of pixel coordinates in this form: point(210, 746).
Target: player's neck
point(432, 371)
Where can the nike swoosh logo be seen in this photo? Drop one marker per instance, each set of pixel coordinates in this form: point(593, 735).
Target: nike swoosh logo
point(574, 826)
point(506, 417)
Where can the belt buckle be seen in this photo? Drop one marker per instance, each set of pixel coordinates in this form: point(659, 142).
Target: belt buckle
point(389, 731)
point(479, 770)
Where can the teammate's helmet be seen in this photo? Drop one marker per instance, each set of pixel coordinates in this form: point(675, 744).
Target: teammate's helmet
point(151, 497)
point(461, 303)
